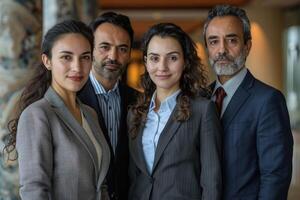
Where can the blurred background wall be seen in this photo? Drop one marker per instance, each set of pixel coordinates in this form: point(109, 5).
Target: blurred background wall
point(274, 58)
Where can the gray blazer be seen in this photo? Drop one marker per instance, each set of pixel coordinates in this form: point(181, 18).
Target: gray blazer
point(57, 159)
point(187, 159)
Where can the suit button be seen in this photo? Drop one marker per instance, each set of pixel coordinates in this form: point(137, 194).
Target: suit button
point(151, 180)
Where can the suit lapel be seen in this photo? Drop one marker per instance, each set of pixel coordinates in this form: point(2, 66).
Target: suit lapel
point(166, 135)
point(67, 118)
point(89, 97)
point(105, 159)
point(238, 100)
point(137, 151)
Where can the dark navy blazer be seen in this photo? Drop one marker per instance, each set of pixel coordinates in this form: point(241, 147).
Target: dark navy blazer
point(257, 143)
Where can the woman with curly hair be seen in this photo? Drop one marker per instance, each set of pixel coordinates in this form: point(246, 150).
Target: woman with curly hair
point(175, 143)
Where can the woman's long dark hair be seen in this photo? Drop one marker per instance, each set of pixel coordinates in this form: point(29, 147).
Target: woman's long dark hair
point(38, 85)
point(192, 82)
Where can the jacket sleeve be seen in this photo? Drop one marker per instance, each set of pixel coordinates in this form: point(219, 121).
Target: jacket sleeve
point(274, 148)
point(35, 154)
point(210, 154)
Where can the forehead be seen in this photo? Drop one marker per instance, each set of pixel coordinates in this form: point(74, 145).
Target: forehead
point(72, 42)
point(111, 33)
point(222, 26)
point(162, 45)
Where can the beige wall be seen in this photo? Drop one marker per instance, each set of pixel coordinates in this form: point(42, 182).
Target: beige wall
point(266, 56)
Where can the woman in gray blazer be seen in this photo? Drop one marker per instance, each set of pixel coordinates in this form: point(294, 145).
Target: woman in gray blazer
point(62, 152)
point(175, 144)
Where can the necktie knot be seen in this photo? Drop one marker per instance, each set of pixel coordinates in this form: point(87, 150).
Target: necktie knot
point(220, 94)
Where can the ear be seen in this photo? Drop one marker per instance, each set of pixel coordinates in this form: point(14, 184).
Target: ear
point(46, 61)
point(248, 46)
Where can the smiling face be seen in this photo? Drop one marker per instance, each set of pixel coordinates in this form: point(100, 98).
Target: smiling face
point(165, 63)
point(112, 51)
point(70, 63)
point(226, 47)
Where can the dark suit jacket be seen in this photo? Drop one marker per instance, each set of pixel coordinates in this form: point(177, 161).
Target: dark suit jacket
point(117, 177)
point(57, 159)
point(187, 158)
point(258, 143)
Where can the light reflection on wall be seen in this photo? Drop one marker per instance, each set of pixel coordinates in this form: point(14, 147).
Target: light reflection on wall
point(262, 60)
point(135, 69)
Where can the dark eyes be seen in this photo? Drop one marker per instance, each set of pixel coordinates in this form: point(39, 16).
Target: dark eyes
point(69, 57)
point(121, 49)
point(66, 57)
point(156, 59)
point(229, 41)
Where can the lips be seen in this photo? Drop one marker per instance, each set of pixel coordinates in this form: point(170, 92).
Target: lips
point(76, 78)
point(165, 76)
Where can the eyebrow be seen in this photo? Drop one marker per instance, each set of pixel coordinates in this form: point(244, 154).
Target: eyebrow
point(69, 52)
point(106, 43)
point(226, 36)
point(172, 52)
point(232, 35)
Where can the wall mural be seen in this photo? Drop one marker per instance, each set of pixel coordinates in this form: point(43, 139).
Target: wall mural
point(19, 53)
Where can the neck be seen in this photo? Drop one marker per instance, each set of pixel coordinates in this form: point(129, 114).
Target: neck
point(108, 84)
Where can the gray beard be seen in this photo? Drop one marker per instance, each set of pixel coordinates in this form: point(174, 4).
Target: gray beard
point(231, 68)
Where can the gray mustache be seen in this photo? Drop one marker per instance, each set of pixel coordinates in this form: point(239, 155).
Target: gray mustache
point(222, 57)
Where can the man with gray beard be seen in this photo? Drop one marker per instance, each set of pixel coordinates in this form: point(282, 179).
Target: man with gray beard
point(257, 138)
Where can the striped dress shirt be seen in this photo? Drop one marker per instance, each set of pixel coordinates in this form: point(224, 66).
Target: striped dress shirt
point(110, 105)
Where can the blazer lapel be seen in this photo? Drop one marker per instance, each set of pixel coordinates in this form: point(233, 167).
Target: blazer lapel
point(137, 151)
point(98, 134)
point(89, 97)
point(166, 135)
point(238, 99)
point(65, 115)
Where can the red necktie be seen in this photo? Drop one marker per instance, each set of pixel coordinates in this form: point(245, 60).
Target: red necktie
point(220, 94)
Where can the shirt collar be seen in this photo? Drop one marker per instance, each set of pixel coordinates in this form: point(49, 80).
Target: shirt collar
point(232, 84)
point(99, 89)
point(167, 105)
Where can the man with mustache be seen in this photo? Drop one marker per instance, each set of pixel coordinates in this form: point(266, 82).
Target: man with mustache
point(113, 38)
point(257, 139)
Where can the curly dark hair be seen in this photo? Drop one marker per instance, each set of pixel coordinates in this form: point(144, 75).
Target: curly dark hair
point(192, 82)
point(38, 85)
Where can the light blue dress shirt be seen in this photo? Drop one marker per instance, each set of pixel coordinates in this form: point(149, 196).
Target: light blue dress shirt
point(155, 123)
point(230, 88)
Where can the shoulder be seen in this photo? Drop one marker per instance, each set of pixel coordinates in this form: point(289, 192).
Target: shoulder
point(201, 102)
point(38, 108)
point(266, 92)
point(128, 93)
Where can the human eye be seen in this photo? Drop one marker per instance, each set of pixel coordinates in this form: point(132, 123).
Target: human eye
point(212, 42)
point(173, 58)
point(66, 57)
point(123, 49)
point(154, 58)
point(86, 57)
point(104, 47)
point(232, 41)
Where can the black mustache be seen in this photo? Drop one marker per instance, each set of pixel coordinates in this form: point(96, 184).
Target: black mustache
point(112, 62)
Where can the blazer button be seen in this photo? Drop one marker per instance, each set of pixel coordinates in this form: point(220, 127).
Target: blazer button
point(151, 180)
point(112, 196)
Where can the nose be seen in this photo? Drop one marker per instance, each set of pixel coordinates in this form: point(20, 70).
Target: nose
point(76, 65)
point(163, 65)
point(113, 54)
point(222, 47)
